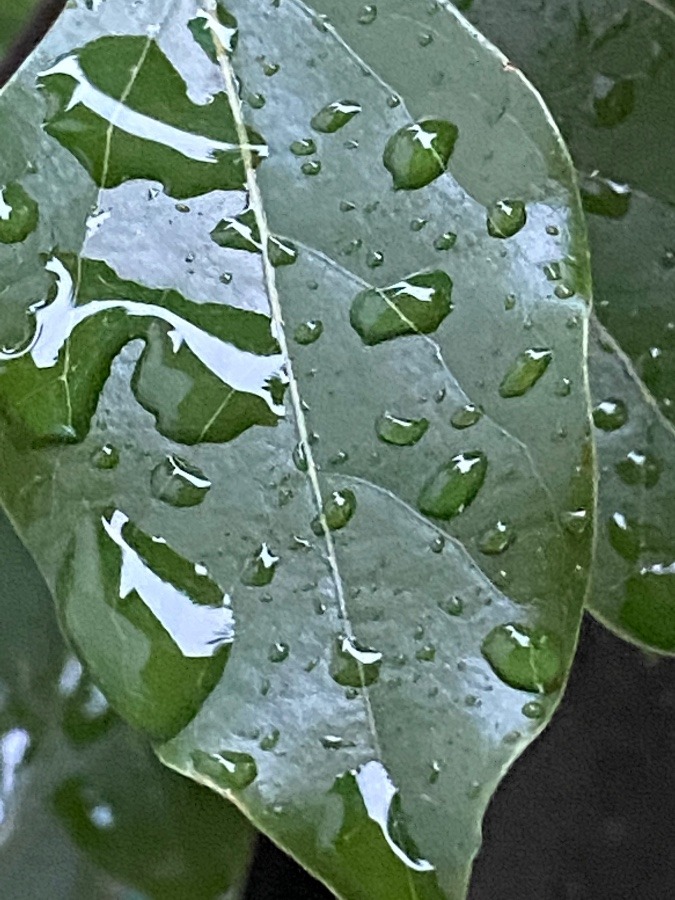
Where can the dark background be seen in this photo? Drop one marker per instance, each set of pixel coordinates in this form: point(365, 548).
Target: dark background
point(588, 812)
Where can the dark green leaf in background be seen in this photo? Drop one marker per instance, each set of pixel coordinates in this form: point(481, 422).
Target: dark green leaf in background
point(608, 70)
point(358, 347)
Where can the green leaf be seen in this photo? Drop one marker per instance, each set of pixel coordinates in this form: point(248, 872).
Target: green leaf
point(79, 787)
point(583, 59)
point(388, 560)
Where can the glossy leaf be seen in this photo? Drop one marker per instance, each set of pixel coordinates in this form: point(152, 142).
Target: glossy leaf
point(572, 53)
point(86, 811)
point(328, 631)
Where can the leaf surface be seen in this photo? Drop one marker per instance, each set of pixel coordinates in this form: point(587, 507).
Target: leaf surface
point(343, 345)
point(608, 75)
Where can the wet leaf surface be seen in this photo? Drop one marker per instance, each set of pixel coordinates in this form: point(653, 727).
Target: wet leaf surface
point(277, 554)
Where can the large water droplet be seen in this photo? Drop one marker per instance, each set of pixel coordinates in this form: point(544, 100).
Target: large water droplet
point(401, 432)
point(506, 218)
point(304, 147)
point(135, 608)
point(353, 665)
point(417, 305)
point(603, 197)
point(335, 116)
point(419, 153)
point(630, 537)
point(525, 372)
point(523, 657)
point(648, 611)
point(454, 486)
point(639, 467)
point(260, 569)
point(18, 214)
point(497, 539)
point(178, 482)
point(368, 14)
point(609, 415)
point(228, 770)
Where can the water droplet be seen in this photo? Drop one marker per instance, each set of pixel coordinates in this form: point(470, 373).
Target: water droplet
point(226, 278)
point(335, 742)
point(574, 521)
point(425, 38)
point(497, 539)
point(419, 153)
point(426, 653)
point(260, 569)
point(506, 218)
point(523, 658)
point(553, 271)
point(308, 332)
point(466, 416)
point(525, 372)
point(375, 259)
point(353, 665)
point(300, 457)
point(161, 619)
point(639, 467)
point(510, 302)
point(401, 432)
point(446, 241)
point(454, 486)
point(255, 101)
point(178, 482)
point(347, 206)
point(106, 457)
point(564, 291)
point(19, 214)
point(613, 99)
point(270, 740)
point(305, 147)
point(418, 224)
point(647, 611)
point(630, 537)
point(228, 770)
point(435, 772)
point(610, 414)
point(270, 68)
point(311, 167)
point(453, 606)
point(534, 710)
point(335, 116)
point(338, 509)
point(603, 197)
point(417, 305)
point(437, 544)
point(368, 14)
point(279, 652)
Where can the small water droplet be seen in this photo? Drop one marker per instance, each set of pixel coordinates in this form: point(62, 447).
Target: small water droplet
point(270, 740)
point(613, 99)
point(426, 653)
point(466, 416)
point(435, 772)
point(417, 305)
point(437, 545)
point(525, 372)
point(506, 218)
point(226, 278)
point(497, 539)
point(368, 14)
point(453, 606)
point(255, 101)
point(309, 332)
point(375, 259)
point(270, 68)
point(353, 665)
point(639, 467)
point(335, 116)
point(534, 710)
point(179, 483)
point(446, 241)
point(347, 206)
point(229, 770)
point(610, 414)
point(279, 652)
point(454, 486)
point(510, 302)
point(524, 658)
point(106, 457)
point(419, 153)
point(259, 570)
point(574, 521)
point(304, 147)
point(338, 509)
point(564, 291)
point(400, 432)
point(332, 742)
point(311, 167)
point(418, 224)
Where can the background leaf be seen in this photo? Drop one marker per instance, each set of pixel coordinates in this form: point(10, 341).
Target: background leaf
point(86, 811)
point(431, 359)
point(607, 72)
